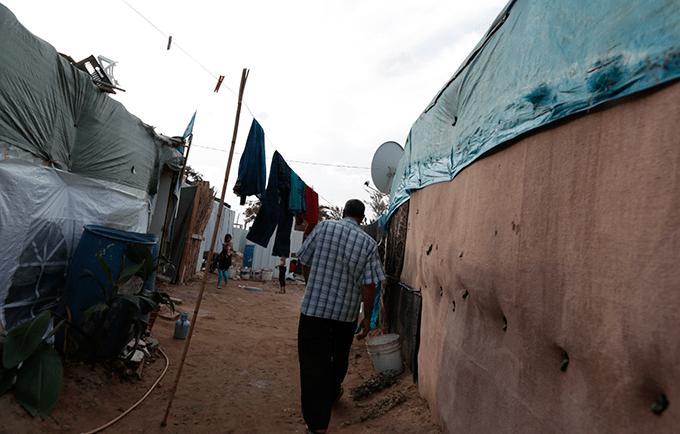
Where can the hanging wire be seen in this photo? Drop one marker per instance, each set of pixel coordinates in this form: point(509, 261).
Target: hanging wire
point(244, 103)
point(177, 45)
point(343, 166)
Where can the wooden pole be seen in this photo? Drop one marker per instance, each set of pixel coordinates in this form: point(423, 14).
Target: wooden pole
point(244, 77)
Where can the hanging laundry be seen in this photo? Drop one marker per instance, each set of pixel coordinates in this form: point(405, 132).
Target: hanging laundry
point(252, 167)
point(300, 224)
point(296, 202)
point(312, 213)
point(274, 214)
point(169, 42)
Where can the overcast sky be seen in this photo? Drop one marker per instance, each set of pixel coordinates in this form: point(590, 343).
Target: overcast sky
point(330, 81)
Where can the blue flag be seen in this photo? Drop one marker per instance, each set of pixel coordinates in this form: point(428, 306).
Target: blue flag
point(190, 127)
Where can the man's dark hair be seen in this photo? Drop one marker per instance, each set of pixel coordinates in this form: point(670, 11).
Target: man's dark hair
point(354, 208)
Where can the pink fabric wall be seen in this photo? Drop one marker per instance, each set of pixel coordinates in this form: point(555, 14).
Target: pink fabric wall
point(571, 236)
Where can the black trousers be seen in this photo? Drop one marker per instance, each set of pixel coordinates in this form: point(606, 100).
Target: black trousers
point(323, 348)
point(282, 276)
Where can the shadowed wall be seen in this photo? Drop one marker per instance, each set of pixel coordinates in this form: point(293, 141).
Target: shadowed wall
point(550, 278)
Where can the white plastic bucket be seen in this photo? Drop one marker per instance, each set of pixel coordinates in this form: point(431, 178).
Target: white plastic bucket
point(385, 354)
point(257, 274)
point(245, 273)
point(267, 274)
point(231, 272)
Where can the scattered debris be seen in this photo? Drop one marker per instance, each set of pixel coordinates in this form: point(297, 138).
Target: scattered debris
point(382, 406)
point(372, 385)
point(152, 343)
point(145, 353)
point(139, 371)
point(250, 288)
point(166, 313)
point(137, 357)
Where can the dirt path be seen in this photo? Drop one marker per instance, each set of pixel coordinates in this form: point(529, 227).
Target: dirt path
point(241, 376)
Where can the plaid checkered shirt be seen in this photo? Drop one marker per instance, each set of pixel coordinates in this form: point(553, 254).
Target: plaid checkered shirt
point(342, 257)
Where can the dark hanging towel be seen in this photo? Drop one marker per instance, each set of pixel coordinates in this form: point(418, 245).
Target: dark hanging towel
point(252, 168)
point(274, 210)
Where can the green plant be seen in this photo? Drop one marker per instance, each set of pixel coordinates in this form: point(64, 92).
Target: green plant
point(34, 363)
point(139, 303)
point(29, 358)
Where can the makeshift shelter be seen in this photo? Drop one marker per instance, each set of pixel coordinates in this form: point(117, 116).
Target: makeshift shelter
point(192, 230)
point(263, 258)
point(71, 156)
point(542, 230)
point(226, 227)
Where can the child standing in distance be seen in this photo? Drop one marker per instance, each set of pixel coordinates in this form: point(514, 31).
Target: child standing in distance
point(282, 276)
point(224, 260)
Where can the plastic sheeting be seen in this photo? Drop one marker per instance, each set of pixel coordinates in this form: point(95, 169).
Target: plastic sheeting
point(225, 227)
point(42, 214)
point(55, 112)
point(540, 62)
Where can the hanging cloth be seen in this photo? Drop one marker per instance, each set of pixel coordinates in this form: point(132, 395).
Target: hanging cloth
point(252, 169)
point(274, 214)
point(296, 202)
point(312, 213)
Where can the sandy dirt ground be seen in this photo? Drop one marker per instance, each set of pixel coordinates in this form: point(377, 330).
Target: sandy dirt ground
point(241, 375)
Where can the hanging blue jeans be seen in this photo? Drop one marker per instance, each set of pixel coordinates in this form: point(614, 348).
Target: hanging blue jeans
point(274, 214)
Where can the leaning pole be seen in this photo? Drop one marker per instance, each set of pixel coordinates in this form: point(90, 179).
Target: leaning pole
point(244, 77)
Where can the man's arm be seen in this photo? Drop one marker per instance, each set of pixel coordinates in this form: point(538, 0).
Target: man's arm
point(367, 295)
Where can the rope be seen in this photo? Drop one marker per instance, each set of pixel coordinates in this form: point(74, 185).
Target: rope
point(103, 427)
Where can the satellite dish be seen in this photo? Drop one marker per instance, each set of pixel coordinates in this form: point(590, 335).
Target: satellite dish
point(384, 165)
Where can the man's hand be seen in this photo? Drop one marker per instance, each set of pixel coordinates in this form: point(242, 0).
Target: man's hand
point(364, 328)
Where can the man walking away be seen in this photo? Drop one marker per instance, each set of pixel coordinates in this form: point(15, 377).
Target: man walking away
point(341, 265)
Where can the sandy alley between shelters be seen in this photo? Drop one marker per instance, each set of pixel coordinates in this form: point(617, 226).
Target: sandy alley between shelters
point(241, 375)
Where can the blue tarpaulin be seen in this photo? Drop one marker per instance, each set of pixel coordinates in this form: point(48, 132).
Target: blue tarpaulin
point(539, 62)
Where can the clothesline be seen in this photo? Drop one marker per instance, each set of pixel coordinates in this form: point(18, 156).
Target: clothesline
point(342, 166)
point(172, 42)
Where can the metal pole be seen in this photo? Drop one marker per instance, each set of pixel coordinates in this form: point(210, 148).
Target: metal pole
point(244, 77)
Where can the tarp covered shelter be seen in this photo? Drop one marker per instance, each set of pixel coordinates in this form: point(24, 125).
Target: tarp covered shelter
point(71, 156)
point(543, 225)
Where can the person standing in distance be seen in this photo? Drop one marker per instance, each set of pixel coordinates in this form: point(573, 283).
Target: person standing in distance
point(341, 266)
point(224, 260)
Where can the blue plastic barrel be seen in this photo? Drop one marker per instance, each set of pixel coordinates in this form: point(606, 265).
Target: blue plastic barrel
point(81, 291)
point(248, 254)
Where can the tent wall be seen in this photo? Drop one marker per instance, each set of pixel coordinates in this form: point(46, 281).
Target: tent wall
point(539, 62)
point(161, 201)
point(54, 112)
point(226, 227)
point(180, 228)
point(262, 257)
point(42, 214)
point(550, 278)
point(400, 305)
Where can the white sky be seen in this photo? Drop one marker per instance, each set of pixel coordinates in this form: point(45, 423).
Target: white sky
point(329, 81)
